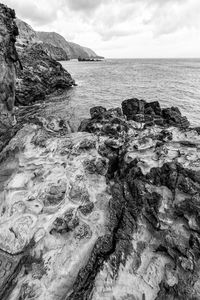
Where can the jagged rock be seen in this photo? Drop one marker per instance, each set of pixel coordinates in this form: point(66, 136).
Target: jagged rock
point(153, 108)
point(173, 117)
point(8, 56)
point(28, 36)
point(151, 113)
point(54, 52)
point(133, 107)
point(123, 203)
point(40, 76)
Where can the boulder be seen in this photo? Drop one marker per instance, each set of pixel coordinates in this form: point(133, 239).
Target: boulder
point(97, 111)
point(153, 108)
point(173, 117)
point(133, 107)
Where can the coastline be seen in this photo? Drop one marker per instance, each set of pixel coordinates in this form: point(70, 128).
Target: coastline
point(108, 211)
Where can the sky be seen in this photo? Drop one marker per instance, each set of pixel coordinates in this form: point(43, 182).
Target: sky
point(119, 28)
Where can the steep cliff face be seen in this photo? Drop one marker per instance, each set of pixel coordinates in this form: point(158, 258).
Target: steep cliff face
point(79, 51)
point(53, 43)
point(28, 36)
point(8, 56)
point(26, 33)
point(54, 52)
point(40, 76)
point(54, 39)
point(73, 50)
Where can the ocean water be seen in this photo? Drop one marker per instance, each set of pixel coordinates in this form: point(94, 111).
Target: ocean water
point(173, 82)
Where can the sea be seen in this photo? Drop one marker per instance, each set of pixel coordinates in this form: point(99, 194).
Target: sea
point(173, 82)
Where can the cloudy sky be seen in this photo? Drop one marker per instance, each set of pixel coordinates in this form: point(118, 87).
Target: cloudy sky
point(119, 28)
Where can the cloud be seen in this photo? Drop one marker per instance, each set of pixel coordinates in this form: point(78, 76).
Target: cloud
point(39, 12)
point(105, 23)
point(174, 16)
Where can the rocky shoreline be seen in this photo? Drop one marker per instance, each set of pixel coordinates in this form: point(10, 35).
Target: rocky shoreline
point(109, 212)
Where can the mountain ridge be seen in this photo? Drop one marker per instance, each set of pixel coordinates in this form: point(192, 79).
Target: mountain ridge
point(59, 48)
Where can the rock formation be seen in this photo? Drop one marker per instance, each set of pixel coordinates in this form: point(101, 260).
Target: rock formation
point(52, 43)
point(54, 52)
point(73, 50)
point(110, 212)
point(8, 56)
point(39, 76)
point(28, 36)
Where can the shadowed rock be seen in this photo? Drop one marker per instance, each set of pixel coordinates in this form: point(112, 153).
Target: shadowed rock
point(41, 75)
point(151, 113)
point(8, 56)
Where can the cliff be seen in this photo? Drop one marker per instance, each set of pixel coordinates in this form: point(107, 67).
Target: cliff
point(54, 52)
point(8, 57)
point(73, 50)
point(26, 33)
point(39, 76)
point(28, 36)
point(53, 43)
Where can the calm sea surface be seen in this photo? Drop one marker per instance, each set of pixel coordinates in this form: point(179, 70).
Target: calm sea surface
point(173, 82)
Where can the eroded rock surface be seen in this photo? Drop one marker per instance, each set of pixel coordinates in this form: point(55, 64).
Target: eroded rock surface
point(112, 213)
point(154, 176)
point(51, 200)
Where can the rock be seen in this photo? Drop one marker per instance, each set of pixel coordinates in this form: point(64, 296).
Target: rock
point(87, 208)
point(151, 113)
point(153, 108)
point(65, 224)
point(133, 107)
point(29, 36)
point(97, 111)
point(8, 58)
point(41, 75)
point(94, 165)
point(54, 52)
point(173, 117)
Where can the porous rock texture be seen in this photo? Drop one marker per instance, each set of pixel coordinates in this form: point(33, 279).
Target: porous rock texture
point(39, 76)
point(8, 56)
point(109, 212)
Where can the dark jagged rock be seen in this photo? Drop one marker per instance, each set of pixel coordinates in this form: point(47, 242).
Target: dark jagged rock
point(133, 107)
point(8, 57)
point(40, 76)
point(159, 193)
point(151, 113)
point(121, 200)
